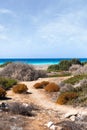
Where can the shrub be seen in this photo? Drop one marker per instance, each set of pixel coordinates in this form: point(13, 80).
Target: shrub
point(75, 79)
point(75, 61)
point(53, 68)
point(5, 64)
point(7, 83)
point(44, 83)
point(67, 87)
point(65, 97)
point(20, 88)
point(18, 108)
point(63, 65)
point(74, 68)
point(81, 70)
point(2, 92)
point(22, 72)
point(41, 85)
point(38, 85)
point(52, 87)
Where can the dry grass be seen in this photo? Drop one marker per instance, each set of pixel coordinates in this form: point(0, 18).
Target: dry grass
point(44, 83)
point(38, 85)
point(52, 87)
point(2, 92)
point(41, 84)
point(66, 96)
point(20, 88)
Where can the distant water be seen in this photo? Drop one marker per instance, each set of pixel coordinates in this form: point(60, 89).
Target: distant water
point(44, 61)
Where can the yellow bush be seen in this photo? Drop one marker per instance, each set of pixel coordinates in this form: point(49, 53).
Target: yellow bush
point(2, 92)
point(20, 88)
point(66, 96)
point(38, 85)
point(41, 84)
point(52, 87)
point(44, 83)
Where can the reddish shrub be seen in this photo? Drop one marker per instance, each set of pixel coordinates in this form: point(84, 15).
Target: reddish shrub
point(44, 83)
point(2, 92)
point(38, 85)
point(66, 96)
point(20, 88)
point(52, 87)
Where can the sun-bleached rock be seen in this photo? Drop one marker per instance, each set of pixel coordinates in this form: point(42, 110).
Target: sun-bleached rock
point(72, 118)
point(72, 113)
point(49, 124)
point(53, 127)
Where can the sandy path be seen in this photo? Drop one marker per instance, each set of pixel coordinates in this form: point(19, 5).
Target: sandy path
point(42, 100)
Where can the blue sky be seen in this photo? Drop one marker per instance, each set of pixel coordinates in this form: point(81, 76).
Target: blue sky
point(43, 28)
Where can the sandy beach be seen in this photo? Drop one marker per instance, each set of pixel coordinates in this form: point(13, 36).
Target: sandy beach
point(41, 67)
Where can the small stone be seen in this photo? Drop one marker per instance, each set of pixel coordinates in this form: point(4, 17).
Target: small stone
point(49, 124)
point(68, 115)
point(25, 104)
point(53, 127)
point(72, 118)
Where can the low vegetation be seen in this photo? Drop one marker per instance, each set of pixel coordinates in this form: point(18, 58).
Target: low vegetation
point(41, 84)
point(5, 64)
point(52, 87)
point(38, 86)
point(75, 79)
point(7, 83)
point(2, 92)
point(18, 108)
point(22, 72)
point(59, 75)
point(74, 91)
point(64, 65)
point(44, 83)
point(66, 96)
point(20, 88)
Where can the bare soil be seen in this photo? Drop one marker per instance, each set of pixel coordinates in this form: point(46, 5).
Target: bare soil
point(48, 110)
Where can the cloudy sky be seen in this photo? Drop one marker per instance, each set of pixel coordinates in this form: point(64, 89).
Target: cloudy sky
point(43, 28)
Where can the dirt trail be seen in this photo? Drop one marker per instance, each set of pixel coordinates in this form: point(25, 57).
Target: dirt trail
point(41, 99)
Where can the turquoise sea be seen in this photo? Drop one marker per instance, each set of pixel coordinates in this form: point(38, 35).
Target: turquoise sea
point(39, 61)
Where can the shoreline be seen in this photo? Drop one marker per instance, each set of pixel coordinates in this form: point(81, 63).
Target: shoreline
point(41, 67)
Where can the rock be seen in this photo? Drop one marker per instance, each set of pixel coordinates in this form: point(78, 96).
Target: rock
point(49, 124)
point(73, 113)
point(4, 106)
point(25, 104)
point(72, 118)
point(53, 127)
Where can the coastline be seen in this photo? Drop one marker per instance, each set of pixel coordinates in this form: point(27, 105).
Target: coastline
point(41, 67)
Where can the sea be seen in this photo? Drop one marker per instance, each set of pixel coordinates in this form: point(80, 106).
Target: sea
point(38, 61)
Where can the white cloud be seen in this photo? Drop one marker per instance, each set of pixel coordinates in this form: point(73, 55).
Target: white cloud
point(2, 28)
point(3, 37)
point(65, 29)
point(7, 11)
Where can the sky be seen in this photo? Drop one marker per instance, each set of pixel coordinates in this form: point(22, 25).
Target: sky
point(43, 28)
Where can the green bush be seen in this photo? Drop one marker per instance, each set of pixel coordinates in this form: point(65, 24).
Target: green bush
point(20, 88)
point(7, 83)
point(5, 64)
point(2, 92)
point(64, 65)
point(75, 79)
point(75, 61)
point(53, 68)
